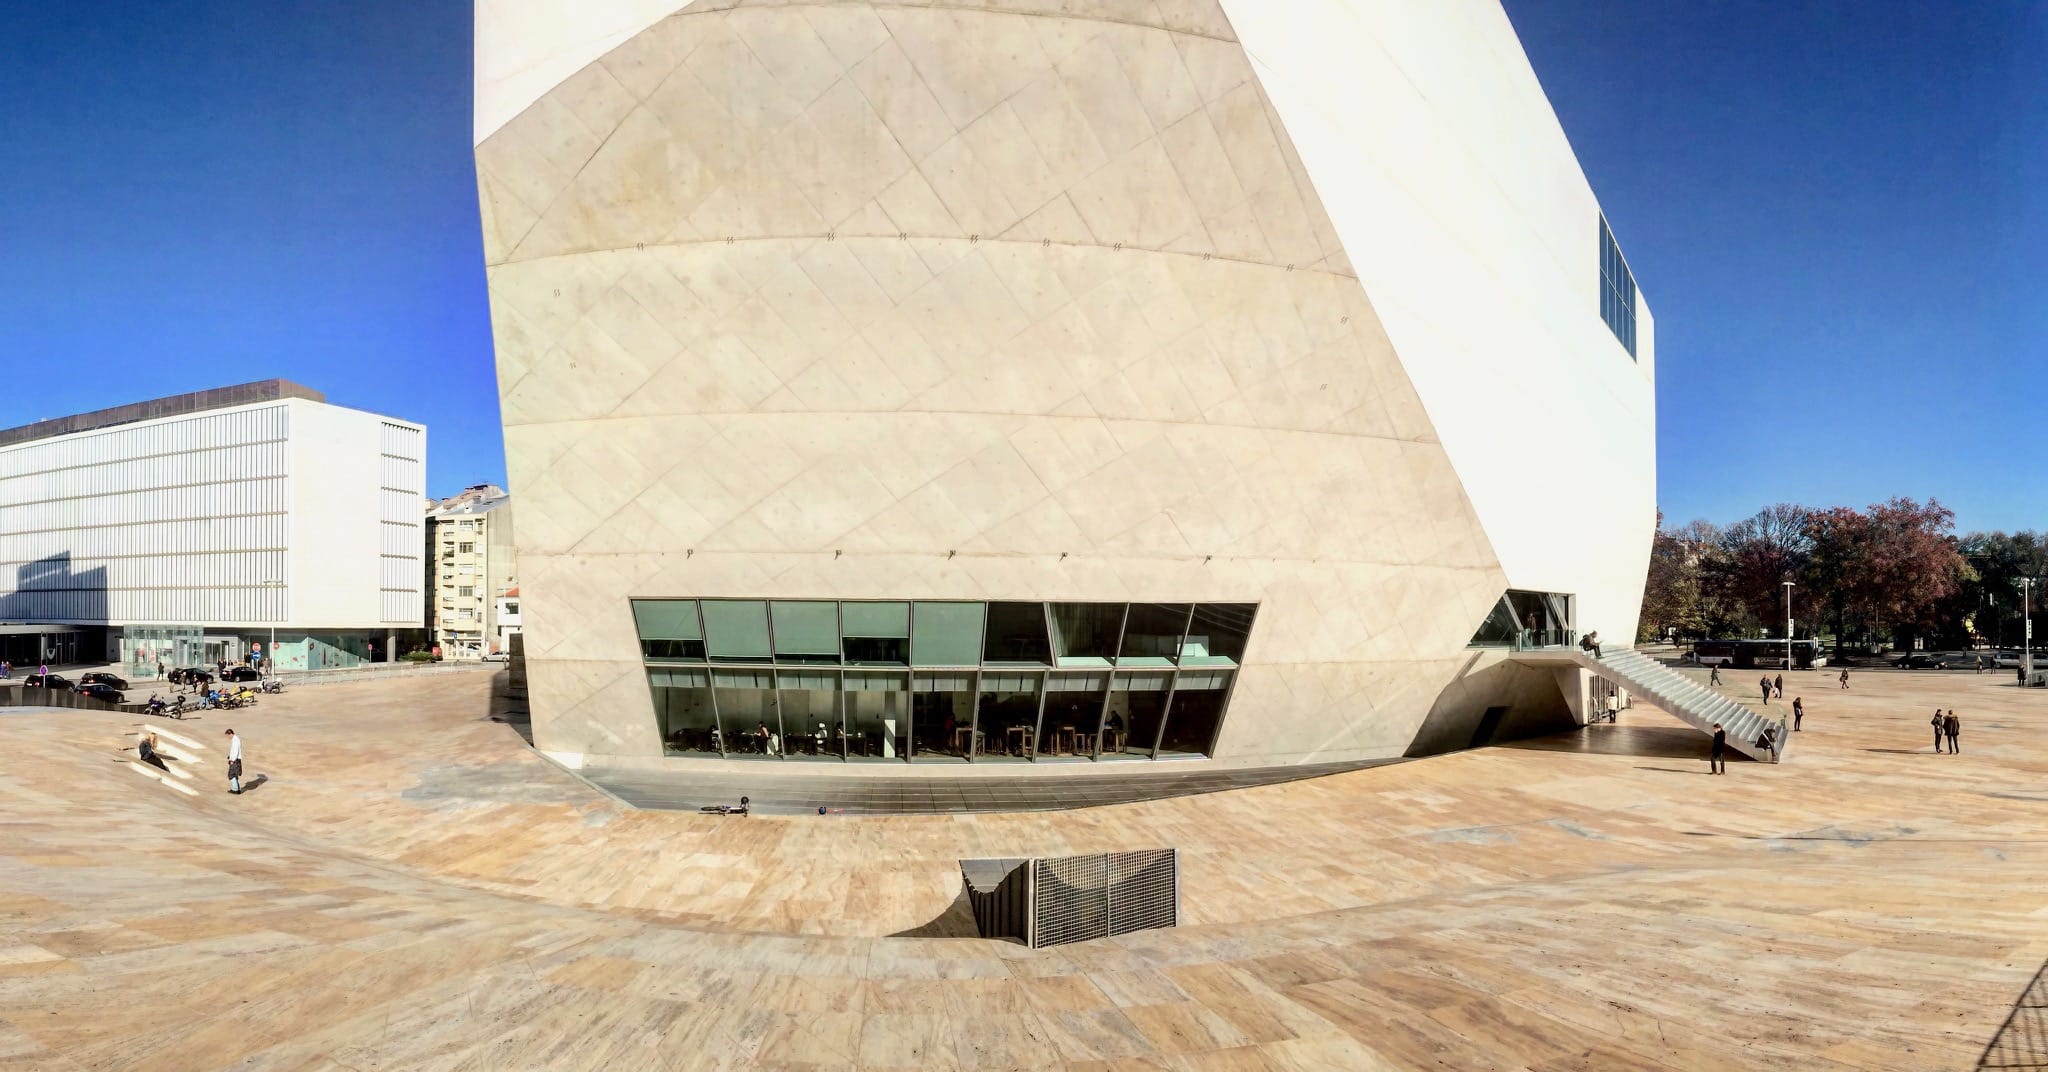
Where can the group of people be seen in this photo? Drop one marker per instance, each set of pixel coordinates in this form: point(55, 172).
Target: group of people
point(1949, 726)
point(152, 753)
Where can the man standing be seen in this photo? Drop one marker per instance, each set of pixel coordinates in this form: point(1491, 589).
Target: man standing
point(1765, 684)
point(1845, 677)
point(1953, 726)
point(1798, 712)
point(1716, 761)
point(234, 763)
point(1940, 726)
point(1778, 686)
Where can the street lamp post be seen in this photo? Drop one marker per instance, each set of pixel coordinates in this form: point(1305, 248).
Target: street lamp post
point(2026, 629)
point(1788, 624)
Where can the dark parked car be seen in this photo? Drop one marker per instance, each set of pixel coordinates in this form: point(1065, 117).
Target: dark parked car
point(113, 681)
point(102, 692)
point(1945, 660)
point(242, 673)
point(46, 681)
point(192, 675)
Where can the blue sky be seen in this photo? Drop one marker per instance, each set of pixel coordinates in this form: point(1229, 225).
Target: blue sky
point(1836, 211)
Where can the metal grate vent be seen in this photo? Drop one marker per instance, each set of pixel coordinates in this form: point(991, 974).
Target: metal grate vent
point(1065, 899)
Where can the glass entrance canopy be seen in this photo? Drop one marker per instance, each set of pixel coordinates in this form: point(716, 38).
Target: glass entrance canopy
point(940, 680)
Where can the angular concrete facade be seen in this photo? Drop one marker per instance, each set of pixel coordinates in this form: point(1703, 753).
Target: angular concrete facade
point(1046, 300)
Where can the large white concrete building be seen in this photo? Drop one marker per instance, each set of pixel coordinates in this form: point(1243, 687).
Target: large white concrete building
point(1053, 379)
point(192, 528)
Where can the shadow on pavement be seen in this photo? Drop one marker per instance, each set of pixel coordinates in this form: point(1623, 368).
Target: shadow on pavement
point(2022, 1041)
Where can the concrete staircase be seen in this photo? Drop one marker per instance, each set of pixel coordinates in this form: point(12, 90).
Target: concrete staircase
point(1693, 703)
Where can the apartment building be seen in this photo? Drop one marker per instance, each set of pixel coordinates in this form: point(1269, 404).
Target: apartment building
point(470, 565)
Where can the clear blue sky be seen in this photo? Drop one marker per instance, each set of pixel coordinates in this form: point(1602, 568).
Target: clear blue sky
point(1838, 212)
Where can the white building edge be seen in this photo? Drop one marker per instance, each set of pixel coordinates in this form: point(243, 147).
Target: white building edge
point(1022, 150)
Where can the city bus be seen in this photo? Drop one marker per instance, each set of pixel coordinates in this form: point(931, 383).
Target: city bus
point(1751, 654)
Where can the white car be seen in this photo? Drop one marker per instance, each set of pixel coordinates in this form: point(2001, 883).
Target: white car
point(497, 656)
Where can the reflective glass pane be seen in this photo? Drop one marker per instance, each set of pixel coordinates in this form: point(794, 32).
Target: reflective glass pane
point(877, 619)
point(1008, 714)
point(668, 629)
point(947, 634)
point(1073, 713)
point(667, 619)
point(682, 706)
point(806, 632)
point(1085, 634)
point(747, 712)
point(1137, 705)
point(1016, 636)
point(736, 629)
point(1218, 634)
point(1153, 634)
point(1196, 714)
point(810, 713)
point(942, 715)
point(878, 718)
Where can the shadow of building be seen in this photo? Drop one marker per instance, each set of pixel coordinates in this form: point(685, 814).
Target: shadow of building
point(49, 593)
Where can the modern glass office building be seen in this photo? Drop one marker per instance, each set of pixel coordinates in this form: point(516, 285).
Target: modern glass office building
point(1042, 384)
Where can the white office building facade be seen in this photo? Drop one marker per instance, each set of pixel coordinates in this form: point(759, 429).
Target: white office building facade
point(196, 528)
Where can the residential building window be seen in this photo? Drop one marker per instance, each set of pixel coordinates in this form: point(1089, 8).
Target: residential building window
point(467, 526)
point(468, 549)
point(466, 592)
point(1617, 291)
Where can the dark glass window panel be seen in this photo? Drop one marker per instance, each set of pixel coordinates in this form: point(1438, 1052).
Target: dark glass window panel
point(1218, 634)
point(1499, 628)
point(1085, 634)
point(1137, 705)
point(1016, 635)
point(692, 650)
point(942, 715)
point(1197, 713)
point(1152, 637)
point(682, 708)
point(1008, 714)
point(1073, 713)
point(878, 651)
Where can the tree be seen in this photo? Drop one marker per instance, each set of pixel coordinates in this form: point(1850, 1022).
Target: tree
point(1889, 568)
point(1763, 552)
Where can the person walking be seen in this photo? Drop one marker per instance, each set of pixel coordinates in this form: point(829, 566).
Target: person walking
point(1717, 762)
point(1765, 685)
point(1778, 686)
point(1714, 675)
point(1798, 712)
point(234, 763)
point(6, 669)
point(1953, 726)
point(159, 668)
point(1940, 725)
point(1845, 677)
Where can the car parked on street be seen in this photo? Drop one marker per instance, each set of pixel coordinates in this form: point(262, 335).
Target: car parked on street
point(47, 681)
point(192, 675)
point(242, 673)
point(1946, 660)
point(107, 693)
point(113, 681)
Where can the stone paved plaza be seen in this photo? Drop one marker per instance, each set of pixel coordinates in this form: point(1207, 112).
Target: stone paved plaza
point(410, 887)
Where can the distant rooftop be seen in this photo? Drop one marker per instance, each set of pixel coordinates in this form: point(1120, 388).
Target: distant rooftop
point(475, 499)
point(173, 406)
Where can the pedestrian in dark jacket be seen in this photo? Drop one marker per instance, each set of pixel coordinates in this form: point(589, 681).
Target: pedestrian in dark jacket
point(1798, 712)
point(1716, 761)
point(1940, 725)
point(1952, 726)
point(1765, 685)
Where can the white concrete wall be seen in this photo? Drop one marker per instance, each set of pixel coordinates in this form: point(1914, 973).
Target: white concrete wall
point(526, 47)
point(1476, 236)
point(338, 569)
